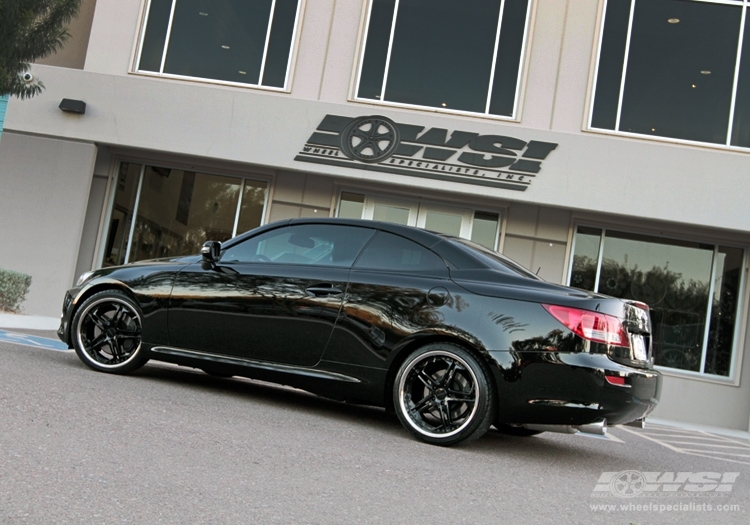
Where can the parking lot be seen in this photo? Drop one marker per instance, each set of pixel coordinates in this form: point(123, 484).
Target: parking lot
point(174, 445)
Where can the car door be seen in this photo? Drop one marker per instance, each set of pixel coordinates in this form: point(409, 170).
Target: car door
point(273, 297)
point(397, 287)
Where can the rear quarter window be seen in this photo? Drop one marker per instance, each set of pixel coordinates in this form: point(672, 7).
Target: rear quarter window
point(389, 252)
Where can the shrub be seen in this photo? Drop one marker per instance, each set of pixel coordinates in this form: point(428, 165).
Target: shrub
point(13, 289)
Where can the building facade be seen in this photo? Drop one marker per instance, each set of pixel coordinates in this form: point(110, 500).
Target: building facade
point(604, 144)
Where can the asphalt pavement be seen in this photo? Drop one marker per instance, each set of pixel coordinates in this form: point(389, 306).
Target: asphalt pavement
point(174, 445)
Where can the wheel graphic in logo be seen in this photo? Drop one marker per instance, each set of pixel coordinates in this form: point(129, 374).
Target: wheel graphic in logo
point(627, 484)
point(370, 139)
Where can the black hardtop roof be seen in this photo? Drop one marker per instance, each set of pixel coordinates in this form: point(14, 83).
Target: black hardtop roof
point(459, 255)
point(424, 237)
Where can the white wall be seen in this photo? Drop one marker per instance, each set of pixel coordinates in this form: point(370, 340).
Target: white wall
point(45, 187)
point(588, 172)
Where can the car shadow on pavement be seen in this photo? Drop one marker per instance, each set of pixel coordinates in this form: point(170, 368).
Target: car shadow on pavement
point(539, 449)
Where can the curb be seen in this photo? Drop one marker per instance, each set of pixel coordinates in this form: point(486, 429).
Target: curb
point(29, 322)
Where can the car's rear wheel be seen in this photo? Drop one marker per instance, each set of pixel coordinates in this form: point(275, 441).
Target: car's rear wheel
point(107, 333)
point(443, 395)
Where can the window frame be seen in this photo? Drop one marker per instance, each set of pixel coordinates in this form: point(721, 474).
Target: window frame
point(419, 206)
point(743, 296)
point(291, 65)
point(440, 272)
point(593, 79)
point(521, 76)
point(292, 230)
point(109, 203)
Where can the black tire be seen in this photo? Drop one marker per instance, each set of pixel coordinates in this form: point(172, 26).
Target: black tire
point(509, 430)
point(107, 333)
point(443, 395)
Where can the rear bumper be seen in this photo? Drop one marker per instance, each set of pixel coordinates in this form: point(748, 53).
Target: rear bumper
point(572, 389)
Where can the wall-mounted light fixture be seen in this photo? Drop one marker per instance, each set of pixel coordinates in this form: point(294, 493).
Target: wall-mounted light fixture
point(73, 106)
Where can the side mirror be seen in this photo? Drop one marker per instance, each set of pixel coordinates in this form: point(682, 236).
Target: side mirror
point(210, 252)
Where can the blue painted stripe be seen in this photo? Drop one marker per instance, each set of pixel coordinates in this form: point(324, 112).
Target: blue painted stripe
point(32, 340)
point(3, 105)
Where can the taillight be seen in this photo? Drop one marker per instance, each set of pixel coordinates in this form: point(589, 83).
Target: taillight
point(615, 380)
point(592, 326)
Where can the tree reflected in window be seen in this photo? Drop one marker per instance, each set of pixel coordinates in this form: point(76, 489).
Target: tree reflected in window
point(691, 288)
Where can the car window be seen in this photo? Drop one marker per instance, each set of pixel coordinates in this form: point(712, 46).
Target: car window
point(395, 253)
point(496, 260)
point(316, 244)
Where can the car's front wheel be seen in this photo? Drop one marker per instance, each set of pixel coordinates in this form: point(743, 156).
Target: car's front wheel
point(443, 395)
point(107, 333)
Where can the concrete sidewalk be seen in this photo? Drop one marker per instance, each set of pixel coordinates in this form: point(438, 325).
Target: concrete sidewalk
point(29, 322)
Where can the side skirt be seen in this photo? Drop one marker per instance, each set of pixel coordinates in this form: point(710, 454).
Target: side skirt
point(178, 355)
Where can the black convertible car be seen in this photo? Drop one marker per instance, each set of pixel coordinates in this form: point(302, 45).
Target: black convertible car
point(450, 335)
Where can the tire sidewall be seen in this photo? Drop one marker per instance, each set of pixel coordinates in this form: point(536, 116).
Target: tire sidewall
point(135, 361)
point(484, 412)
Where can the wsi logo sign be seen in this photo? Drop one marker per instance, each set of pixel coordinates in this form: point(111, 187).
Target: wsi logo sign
point(631, 483)
point(377, 143)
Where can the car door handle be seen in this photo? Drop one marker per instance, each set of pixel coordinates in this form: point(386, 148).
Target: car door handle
point(321, 290)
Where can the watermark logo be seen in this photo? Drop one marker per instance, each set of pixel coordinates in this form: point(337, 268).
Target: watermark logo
point(633, 483)
point(627, 484)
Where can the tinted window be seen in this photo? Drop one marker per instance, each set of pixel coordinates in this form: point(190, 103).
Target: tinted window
point(394, 253)
point(317, 244)
point(497, 261)
point(668, 70)
point(225, 40)
point(462, 55)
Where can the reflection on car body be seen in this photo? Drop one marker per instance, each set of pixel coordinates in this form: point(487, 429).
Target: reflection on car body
point(450, 335)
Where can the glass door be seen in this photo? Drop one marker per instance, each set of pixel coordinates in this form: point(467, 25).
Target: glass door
point(391, 210)
point(479, 226)
point(451, 221)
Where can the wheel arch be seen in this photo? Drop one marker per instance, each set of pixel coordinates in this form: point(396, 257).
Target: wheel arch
point(94, 289)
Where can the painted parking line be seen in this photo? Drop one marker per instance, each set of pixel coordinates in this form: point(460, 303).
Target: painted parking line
point(609, 436)
point(697, 443)
point(32, 340)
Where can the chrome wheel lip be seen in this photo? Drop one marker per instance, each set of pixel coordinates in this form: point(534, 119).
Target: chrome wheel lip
point(84, 347)
point(407, 412)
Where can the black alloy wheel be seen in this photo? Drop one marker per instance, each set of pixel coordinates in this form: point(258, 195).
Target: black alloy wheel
point(107, 333)
point(443, 395)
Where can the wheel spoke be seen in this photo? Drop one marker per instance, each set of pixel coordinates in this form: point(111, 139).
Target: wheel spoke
point(125, 334)
point(118, 315)
point(448, 378)
point(115, 347)
point(427, 380)
point(101, 322)
point(422, 404)
point(445, 417)
point(461, 397)
point(98, 342)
